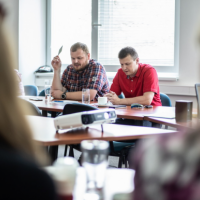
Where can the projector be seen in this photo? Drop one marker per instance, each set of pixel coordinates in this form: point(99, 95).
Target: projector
point(82, 119)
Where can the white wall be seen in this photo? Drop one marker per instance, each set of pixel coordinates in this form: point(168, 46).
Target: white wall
point(189, 65)
point(189, 56)
point(32, 37)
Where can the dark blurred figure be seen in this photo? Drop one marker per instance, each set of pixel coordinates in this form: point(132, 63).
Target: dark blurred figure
point(21, 176)
point(168, 167)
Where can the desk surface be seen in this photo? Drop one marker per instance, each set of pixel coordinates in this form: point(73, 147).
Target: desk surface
point(130, 113)
point(192, 124)
point(125, 112)
point(44, 105)
point(45, 133)
point(140, 113)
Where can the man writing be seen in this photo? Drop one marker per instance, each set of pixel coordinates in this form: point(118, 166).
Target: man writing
point(138, 82)
point(82, 73)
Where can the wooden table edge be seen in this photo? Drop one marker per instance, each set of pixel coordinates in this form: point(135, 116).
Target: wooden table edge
point(178, 126)
point(55, 143)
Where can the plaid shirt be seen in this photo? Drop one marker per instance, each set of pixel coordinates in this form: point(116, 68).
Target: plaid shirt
point(92, 77)
point(168, 167)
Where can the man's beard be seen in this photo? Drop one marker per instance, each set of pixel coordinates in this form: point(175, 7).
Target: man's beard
point(82, 68)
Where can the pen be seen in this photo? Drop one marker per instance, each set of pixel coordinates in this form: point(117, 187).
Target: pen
point(58, 101)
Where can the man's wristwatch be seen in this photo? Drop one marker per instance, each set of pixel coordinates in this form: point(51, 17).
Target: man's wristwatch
point(63, 96)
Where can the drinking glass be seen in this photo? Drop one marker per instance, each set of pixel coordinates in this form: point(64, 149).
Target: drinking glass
point(86, 96)
point(94, 160)
point(47, 89)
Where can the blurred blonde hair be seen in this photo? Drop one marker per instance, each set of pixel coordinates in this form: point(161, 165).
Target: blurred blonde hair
point(14, 129)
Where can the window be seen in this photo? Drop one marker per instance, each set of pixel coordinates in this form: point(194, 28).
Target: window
point(70, 23)
point(106, 26)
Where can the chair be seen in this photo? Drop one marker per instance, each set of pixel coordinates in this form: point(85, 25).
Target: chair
point(30, 90)
point(165, 100)
point(121, 96)
point(30, 108)
point(197, 90)
point(122, 148)
point(42, 93)
point(116, 148)
point(74, 108)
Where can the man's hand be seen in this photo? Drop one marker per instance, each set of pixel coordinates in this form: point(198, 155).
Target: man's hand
point(56, 63)
point(113, 98)
point(56, 94)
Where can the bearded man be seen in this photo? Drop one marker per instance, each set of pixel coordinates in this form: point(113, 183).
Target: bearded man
point(82, 73)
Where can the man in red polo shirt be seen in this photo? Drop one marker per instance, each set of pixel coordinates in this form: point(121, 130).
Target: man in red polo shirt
point(138, 82)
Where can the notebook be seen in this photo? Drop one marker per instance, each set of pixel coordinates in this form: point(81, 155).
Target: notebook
point(166, 116)
point(117, 106)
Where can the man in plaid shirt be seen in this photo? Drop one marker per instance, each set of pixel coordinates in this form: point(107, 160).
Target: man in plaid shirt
point(82, 73)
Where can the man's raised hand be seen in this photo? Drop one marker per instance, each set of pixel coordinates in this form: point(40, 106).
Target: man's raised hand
point(56, 63)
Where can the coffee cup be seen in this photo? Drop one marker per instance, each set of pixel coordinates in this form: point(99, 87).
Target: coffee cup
point(63, 173)
point(102, 100)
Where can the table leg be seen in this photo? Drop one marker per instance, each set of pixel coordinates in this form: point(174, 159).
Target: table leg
point(53, 152)
point(44, 113)
point(71, 151)
point(53, 114)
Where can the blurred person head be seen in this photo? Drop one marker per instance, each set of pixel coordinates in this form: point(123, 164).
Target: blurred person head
point(129, 60)
point(14, 129)
point(167, 167)
point(80, 56)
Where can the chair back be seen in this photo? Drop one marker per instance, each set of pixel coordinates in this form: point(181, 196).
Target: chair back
point(121, 96)
point(33, 110)
point(30, 90)
point(197, 90)
point(165, 100)
point(71, 108)
point(77, 107)
point(42, 93)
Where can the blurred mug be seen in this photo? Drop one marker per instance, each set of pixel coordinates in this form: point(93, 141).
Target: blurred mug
point(63, 173)
point(183, 111)
point(86, 96)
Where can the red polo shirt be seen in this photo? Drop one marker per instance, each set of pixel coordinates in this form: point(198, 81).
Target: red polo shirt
point(145, 80)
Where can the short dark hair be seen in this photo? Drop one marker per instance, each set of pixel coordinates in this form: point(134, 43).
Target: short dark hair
point(79, 45)
point(128, 51)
